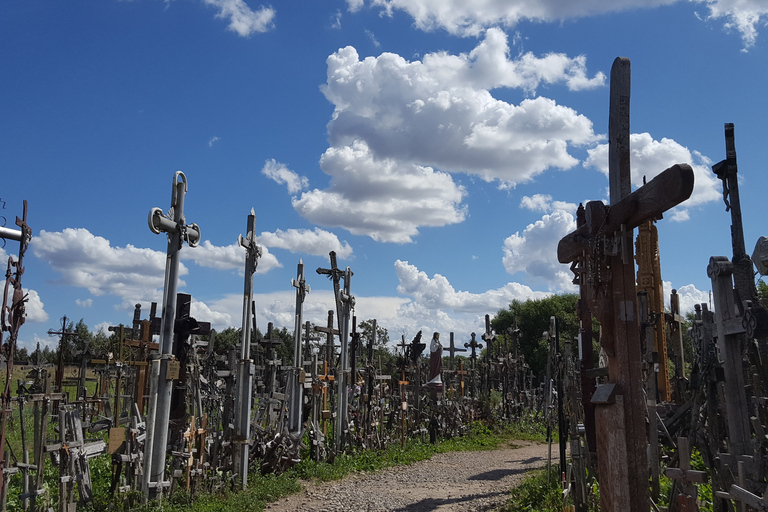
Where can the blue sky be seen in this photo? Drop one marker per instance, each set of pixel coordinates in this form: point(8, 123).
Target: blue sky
point(440, 147)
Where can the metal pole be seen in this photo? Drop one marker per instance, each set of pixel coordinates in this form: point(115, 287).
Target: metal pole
point(245, 367)
point(341, 415)
point(296, 398)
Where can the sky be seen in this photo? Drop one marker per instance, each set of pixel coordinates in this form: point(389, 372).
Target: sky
point(439, 147)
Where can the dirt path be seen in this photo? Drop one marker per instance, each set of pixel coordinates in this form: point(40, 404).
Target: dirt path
point(458, 481)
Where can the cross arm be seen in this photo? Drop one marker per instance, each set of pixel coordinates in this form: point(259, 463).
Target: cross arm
point(665, 191)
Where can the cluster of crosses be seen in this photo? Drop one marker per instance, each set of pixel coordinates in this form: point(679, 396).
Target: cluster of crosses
point(171, 411)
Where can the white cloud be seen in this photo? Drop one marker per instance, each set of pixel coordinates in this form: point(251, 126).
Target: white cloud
point(228, 257)
point(471, 18)
point(689, 296)
point(317, 242)
point(648, 158)
point(213, 141)
point(242, 19)
point(384, 199)
point(89, 261)
point(282, 175)
point(219, 320)
point(743, 15)
point(355, 5)
point(87, 303)
point(535, 250)
point(464, 18)
point(437, 293)
point(544, 203)
point(34, 308)
point(437, 306)
point(440, 112)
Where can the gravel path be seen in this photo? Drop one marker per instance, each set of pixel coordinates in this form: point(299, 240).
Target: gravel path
point(457, 481)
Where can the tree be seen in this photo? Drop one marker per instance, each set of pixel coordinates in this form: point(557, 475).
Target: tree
point(227, 339)
point(533, 320)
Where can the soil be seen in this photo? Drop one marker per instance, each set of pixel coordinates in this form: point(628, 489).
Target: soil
point(457, 481)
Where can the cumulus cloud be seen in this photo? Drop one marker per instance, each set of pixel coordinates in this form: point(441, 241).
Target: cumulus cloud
point(317, 242)
point(689, 296)
point(34, 308)
point(213, 141)
point(471, 18)
point(544, 203)
point(649, 157)
point(384, 199)
point(535, 250)
point(87, 303)
point(438, 293)
point(743, 15)
point(242, 19)
point(282, 175)
point(228, 257)
point(88, 261)
point(440, 112)
point(463, 18)
point(436, 306)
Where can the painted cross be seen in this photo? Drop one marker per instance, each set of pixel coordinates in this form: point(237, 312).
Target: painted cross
point(178, 231)
point(602, 248)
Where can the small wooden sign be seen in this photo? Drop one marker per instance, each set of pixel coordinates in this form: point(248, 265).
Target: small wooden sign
point(116, 438)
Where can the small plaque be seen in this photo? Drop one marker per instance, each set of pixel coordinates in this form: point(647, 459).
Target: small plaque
point(116, 438)
point(172, 372)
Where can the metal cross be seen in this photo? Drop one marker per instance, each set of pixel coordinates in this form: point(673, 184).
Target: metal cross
point(178, 232)
point(245, 367)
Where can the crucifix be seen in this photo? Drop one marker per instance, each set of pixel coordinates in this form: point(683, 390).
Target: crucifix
point(178, 231)
point(474, 346)
point(296, 382)
point(602, 248)
point(452, 349)
point(63, 333)
point(488, 337)
point(246, 369)
point(345, 301)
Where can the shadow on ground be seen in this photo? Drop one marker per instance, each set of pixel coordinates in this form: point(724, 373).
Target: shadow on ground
point(430, 504)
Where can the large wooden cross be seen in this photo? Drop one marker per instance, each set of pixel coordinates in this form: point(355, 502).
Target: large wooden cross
point(602, 248)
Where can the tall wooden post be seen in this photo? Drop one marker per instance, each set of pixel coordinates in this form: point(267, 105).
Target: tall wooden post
point(605, 244)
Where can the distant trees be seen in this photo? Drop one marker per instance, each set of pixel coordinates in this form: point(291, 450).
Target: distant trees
point(533, 320)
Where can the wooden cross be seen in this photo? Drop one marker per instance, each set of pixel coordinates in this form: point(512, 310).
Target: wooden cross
point(63, 333)
point(602, 248)
point(461, 372)
point(452, 349)
point(686, 477)
point(330, 332)
point(675, 321)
